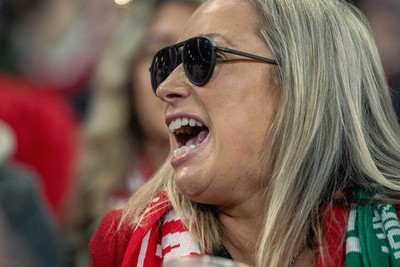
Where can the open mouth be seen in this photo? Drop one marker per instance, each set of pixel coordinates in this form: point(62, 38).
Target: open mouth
point(189, 133)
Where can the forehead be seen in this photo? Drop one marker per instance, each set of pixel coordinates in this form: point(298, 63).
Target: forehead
point(236, 20)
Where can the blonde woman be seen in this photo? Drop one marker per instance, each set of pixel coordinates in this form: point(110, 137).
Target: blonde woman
point(285, 144)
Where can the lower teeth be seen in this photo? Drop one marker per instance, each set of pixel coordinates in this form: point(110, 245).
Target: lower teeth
point(183, 150)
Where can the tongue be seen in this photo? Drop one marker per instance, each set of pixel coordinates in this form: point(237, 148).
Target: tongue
point(197, 139)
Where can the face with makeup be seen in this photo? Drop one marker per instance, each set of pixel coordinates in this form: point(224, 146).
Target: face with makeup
point(230, 116)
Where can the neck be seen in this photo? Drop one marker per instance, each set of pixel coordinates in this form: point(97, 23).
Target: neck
point(241, 236)
point(242, 228)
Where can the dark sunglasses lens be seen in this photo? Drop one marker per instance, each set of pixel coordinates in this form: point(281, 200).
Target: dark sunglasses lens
point(198, 57)
point(164, 63)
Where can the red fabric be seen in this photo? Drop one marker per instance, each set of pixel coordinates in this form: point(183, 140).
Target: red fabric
point(46, 134)
point(160, 236)
point(334, 227)
point(112, 247)
point(109, 247)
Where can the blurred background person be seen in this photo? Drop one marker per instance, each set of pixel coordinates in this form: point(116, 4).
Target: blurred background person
point(29, 235)
point(125, 139)
point(48, 49)
point(58, 42)
point(47, 136)
point(44, 122)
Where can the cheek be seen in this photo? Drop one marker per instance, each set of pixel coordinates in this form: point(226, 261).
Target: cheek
point(242, 138)
point(246, 97)
point(244, 115)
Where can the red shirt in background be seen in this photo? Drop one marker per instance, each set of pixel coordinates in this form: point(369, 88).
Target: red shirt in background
point(46, 127)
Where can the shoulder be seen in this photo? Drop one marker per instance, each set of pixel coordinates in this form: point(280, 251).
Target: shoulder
point(335, 221)
point(109, 242)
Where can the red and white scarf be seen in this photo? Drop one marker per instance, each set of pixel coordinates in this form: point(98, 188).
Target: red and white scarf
point(159, 237)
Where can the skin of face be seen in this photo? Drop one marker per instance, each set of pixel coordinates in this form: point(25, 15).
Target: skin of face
point(238, 105)
point(165, 28)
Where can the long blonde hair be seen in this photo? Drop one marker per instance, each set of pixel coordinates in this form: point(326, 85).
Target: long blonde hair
point(335, 128)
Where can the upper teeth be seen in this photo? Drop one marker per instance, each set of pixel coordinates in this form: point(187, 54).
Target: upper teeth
point(181, 122)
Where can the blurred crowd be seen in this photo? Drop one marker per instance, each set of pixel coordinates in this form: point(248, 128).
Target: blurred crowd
point(80, 129)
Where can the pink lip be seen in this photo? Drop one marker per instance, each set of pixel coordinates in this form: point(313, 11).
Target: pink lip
point(175, 161)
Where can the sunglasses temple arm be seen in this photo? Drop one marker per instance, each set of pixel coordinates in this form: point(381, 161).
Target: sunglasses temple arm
point(244, 54)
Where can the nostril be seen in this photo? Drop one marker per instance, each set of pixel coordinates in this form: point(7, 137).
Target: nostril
point(168, 96)
point(172, 96)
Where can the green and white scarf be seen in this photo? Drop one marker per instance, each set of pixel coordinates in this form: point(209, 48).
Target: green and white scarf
point(373, 235)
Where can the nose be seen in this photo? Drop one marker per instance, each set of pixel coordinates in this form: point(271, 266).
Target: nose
point(174, 88)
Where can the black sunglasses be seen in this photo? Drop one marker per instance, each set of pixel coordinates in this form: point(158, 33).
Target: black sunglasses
point(198, 55)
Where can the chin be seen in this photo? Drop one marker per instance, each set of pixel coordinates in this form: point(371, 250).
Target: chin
point(191, 189)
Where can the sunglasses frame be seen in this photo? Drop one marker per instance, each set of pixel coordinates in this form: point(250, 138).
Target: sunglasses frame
point(215, 49)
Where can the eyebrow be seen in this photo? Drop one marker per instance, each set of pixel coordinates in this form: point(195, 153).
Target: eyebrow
point(218, 35)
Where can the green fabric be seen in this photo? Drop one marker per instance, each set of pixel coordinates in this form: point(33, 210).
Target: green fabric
point(373, 235)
